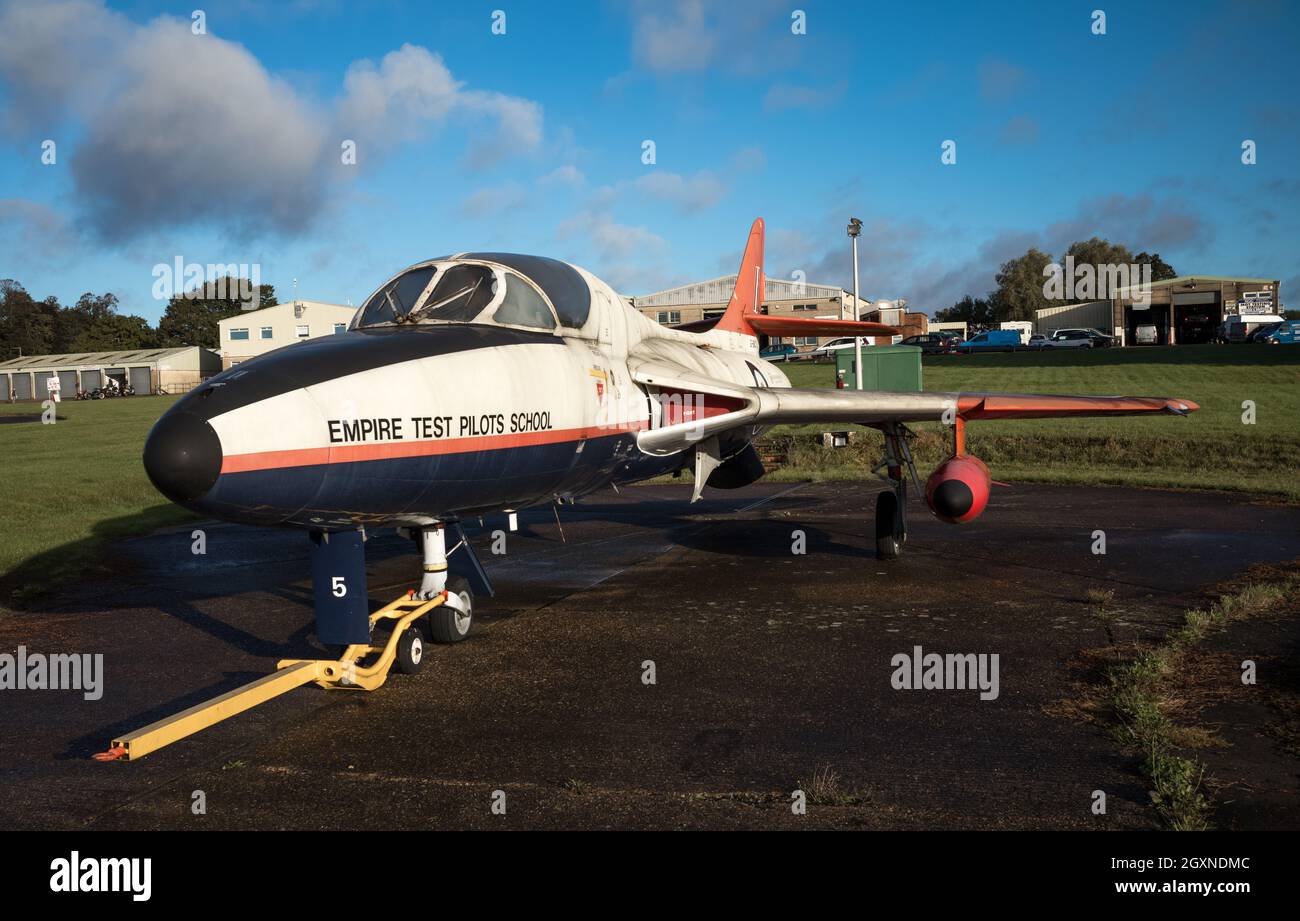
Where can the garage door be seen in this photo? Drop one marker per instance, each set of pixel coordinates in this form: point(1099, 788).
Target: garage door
point(140, 380)
point(42, 390)
point(22, 386)
point(90, 380)
point(67, 384)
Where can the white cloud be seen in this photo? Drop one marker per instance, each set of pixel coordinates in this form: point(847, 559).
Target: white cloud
point(568, 174)
point(493, 201)
point(690, 194)
point(781, 96)
point(673, 38)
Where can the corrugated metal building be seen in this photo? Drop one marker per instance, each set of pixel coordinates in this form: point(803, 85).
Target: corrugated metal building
point(174, 370)
point(703, 299)
point(1182, 310)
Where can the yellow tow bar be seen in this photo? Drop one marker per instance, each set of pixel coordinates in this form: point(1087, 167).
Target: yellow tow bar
point(345, 673)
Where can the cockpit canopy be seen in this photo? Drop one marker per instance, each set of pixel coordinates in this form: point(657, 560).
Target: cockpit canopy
point(501, 289)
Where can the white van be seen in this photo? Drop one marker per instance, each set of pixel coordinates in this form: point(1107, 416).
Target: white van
point(1023, 327)
point(1236, 327)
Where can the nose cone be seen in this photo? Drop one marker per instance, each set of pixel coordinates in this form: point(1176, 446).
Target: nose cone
point(952, 499)
point(182, 456)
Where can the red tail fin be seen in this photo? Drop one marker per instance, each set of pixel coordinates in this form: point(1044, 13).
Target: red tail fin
point(743, 314)
point(748, 294)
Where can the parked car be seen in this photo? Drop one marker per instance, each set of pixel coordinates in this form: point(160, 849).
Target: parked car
point(826, 351)
point(1037, 340)
point(1076, 338)
point(1259, 332)
point(1071, 339)
point(931, 343)
point(993, 340)
point(783, 352)
point(1286, 333)
point(1237, 328)
point(1146, 334)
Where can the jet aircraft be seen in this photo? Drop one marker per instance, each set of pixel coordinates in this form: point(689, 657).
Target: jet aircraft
point(486, 382)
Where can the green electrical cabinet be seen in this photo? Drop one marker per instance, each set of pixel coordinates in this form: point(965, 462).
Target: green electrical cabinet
point(884, 367)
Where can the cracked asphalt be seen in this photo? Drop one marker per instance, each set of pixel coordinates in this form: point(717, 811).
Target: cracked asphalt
point(772, 670)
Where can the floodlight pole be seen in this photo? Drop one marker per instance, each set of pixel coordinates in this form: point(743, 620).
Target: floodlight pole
point(855, 228)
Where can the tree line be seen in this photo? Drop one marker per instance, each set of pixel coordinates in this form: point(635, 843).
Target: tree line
point(95, 323)
point(1020, 281)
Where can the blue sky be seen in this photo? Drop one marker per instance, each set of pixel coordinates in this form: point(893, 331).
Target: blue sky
point(226, 147)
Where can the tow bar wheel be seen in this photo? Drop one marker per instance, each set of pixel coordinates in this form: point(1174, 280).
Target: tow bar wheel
point(448, 625)
point(410, 650)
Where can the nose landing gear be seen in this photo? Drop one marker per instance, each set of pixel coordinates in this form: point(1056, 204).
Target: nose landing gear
point(443, 606)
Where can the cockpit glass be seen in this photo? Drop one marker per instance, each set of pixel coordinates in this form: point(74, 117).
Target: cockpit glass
point(460, 292)
point(522, 306)
point(459, 296)
point(395, 299)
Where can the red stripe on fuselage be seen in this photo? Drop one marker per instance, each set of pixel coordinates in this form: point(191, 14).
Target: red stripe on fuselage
point(346, 454)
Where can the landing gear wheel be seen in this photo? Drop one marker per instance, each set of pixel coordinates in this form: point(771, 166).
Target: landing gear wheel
point(446, 624)
point(410, 651)
point(891, 529)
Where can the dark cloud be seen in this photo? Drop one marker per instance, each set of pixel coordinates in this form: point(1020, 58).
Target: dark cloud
point(182, 129)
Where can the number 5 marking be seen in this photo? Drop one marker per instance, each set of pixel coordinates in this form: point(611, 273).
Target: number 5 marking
point(339, 588)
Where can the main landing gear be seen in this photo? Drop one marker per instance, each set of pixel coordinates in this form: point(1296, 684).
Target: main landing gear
point(891, 504)
point(442, 609)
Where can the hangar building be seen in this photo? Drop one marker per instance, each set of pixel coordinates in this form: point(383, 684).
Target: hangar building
point(1183, 310)
point(253, 332)
point(175, 370)
point(705, 299)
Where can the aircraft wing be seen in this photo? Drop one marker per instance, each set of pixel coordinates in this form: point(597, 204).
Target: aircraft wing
point(714, 406)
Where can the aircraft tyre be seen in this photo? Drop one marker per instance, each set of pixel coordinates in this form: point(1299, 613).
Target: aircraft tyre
point(891, 531)
point(446, 624)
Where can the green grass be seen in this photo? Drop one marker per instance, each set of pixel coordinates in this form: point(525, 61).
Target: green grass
point(1210, 449)
point(1143, 690)
point(72, 486)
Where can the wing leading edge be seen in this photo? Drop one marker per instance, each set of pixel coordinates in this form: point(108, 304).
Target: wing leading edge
point(774, 406)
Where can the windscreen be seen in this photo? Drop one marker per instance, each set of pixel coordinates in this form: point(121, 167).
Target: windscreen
point(397, 298)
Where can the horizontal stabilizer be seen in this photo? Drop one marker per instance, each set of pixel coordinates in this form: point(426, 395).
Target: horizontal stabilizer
point(813, 326)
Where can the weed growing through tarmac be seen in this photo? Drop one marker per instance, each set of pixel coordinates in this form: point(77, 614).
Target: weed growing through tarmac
point(1101, 599)
point(1140, 693)
point(824, 789)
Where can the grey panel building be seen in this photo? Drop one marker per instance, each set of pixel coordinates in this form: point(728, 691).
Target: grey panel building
point(175, 370)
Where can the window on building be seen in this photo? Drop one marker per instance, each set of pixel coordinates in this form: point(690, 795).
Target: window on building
point(266, 333)
point(340, 328)
point(670, 317)
point(304, 331)
point(238, 335)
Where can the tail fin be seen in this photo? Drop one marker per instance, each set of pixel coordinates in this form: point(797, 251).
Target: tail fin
point(749, 292)
point(743, 314)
